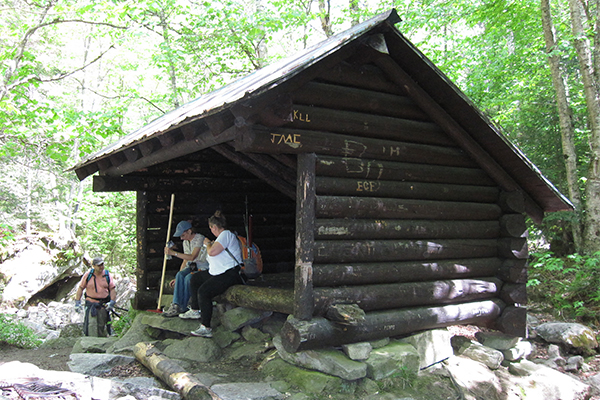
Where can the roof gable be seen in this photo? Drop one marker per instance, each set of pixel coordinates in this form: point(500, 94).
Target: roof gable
point(222, 115)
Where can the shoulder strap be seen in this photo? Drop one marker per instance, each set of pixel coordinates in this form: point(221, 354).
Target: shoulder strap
point(232, 256)
point(90, 275)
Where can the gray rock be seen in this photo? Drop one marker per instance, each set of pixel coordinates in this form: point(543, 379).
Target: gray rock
point(329, 361)
point(245, 391)
point(497, 340)
point(195, 349)
point(492, 358)
point(177, 325)
point(254, 335)
point(239, 317)
point(133, 336)
point(224, 337)
point(396, 356)
point(90, 344)
point(357, 351)
point(96, 364)
point(574, 363)
point(433, 346)
point(572, 334)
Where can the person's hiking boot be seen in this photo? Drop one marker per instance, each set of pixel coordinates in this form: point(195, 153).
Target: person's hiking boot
point(190, 314)
point(203, 331)
point(173, 311)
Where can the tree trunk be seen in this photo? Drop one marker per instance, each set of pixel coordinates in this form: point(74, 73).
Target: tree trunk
point(591, 237)
point(566, 124)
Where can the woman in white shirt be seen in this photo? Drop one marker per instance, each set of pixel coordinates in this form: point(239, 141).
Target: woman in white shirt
point(224, 256)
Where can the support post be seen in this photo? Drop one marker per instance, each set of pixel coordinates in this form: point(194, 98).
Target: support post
point(305, 240)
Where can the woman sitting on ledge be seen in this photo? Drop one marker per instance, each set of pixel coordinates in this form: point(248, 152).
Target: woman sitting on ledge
point(223, 272)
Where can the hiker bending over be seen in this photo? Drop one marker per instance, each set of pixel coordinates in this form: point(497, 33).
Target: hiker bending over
point(223, 271)
point(100, 298)
point(193, 258)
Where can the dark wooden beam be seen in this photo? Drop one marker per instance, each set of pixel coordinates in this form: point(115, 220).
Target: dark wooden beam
point(132, 183)
point(408, 294)
point(345, 167)
point(374, 207)
point(258, 170)
point(350, 228)
point(298, 335)
point(335, 186)
point(454, 129)
point(344, 251)
point(355, 273)
point(365, 76)
point(360, 100)
point(178, 149)
point(368, 125)
point(294, 141)
point(305, 242)
point(141, 270)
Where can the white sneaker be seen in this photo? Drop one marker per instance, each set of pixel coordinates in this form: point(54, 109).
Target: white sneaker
point(203, 331)
point(190, 314)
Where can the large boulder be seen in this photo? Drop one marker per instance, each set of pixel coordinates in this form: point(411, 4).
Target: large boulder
point(572, 335)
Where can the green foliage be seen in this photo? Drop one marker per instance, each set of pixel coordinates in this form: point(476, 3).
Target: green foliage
point(568, 285)
point(108, 228)
point(15, 333)
point(122, 324)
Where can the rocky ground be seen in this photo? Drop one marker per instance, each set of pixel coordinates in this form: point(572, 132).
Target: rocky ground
point(55, 357)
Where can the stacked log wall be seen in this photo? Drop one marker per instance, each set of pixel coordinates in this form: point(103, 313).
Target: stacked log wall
point(204, 182)
point(403, 218)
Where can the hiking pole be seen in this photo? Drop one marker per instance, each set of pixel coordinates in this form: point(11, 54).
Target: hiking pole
point(162, 278)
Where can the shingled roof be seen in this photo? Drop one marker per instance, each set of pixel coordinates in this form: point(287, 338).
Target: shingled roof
point(195, 121)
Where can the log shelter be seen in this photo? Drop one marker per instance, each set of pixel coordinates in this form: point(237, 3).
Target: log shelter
point(383, 201)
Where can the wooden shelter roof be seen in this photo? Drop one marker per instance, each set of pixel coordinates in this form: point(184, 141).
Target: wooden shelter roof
point(209, 120)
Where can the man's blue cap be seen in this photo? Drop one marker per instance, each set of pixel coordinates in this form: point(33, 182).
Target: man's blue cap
point(182, 227)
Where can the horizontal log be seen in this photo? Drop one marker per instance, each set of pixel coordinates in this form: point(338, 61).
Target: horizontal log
point(261, 298)
point(189, 206)
point(296, 141)
point(186, 168)
point(513, 271)
point(513, 248)
point(514, 293)
point(342, 251)
point(409, 294)
point(408, 271)
point(235, 198)
point(404, 229)
point(513, 225)
point(345, 167)
point(298, 335)
point(366, 76)
point(367, 125)
point(374, 207)
point(189, 184)
point(354, 99)
point(171, 373)
point(346, 314)
point(335, 186)
point(512, 202)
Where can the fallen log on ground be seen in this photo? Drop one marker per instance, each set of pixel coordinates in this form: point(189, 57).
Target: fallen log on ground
point(186, 384)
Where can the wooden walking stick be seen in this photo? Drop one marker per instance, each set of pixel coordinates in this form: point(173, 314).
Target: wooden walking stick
point(162, 278)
